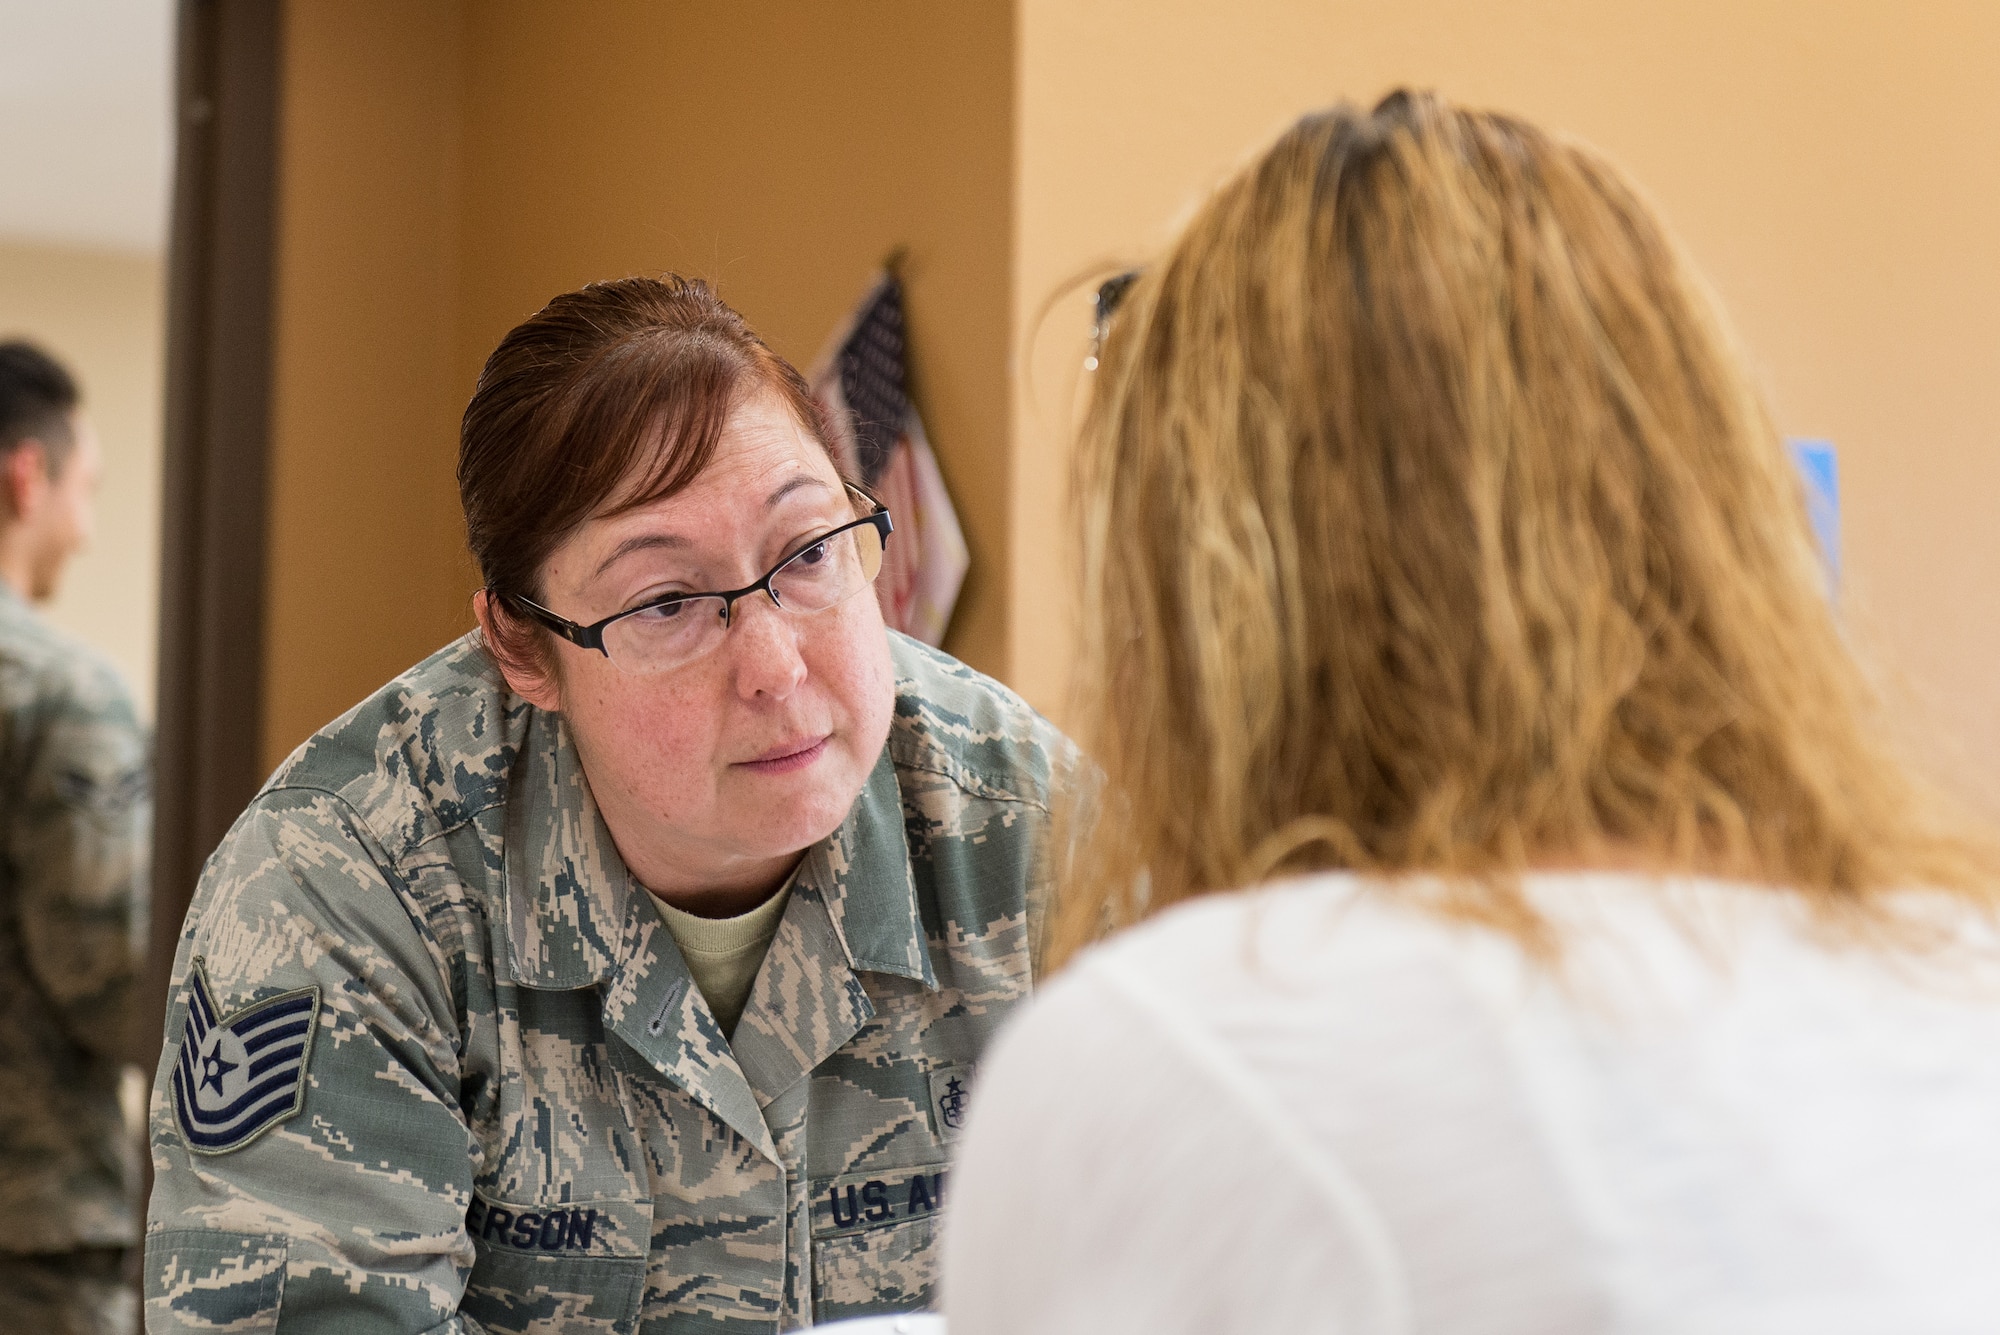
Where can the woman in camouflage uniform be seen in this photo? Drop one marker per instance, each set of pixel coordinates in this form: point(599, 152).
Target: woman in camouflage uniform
point(622, 966)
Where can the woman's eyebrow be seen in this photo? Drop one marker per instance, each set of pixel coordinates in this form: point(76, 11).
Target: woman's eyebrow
point(792, 484)
point(640, 542)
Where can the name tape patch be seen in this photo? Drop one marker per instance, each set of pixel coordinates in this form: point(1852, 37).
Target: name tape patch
point(525, 1230)
point(239, 1075)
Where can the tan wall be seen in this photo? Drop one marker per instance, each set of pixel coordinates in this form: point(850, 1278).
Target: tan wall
point(1834, 168)
point(781, 149)
point(366, 568)
point(453, 164)
point(449, 167)
point(101, 313)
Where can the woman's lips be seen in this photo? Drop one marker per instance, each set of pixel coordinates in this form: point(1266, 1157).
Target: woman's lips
point(787, 756)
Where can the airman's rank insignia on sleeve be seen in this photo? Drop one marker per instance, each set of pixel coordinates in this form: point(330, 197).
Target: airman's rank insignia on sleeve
point(242, 1074)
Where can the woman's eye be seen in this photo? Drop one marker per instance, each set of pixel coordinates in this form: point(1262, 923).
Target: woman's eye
point(661, 612)
point(812, 555)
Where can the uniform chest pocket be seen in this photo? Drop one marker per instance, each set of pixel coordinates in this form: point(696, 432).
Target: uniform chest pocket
point(555, 1269)
point(873, 1241)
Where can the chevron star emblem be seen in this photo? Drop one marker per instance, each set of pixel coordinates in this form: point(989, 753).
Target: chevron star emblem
point(239, 1075)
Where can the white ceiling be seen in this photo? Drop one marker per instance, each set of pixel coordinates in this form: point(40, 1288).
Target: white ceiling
point(86, 142)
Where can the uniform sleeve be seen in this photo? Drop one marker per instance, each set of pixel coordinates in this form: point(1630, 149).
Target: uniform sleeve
point(1076, 790)
point(312, 1163)
point(77, 842)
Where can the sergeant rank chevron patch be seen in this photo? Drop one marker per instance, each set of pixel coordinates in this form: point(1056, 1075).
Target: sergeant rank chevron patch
point(239, 1076)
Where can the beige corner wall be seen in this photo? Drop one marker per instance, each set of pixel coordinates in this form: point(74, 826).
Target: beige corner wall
point(365, 567)
point(448, 167)
point(780, 149)
point(1835, 168)
point(101, 313)
point(452, 164)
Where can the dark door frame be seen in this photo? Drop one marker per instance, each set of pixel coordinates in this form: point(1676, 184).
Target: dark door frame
point(221, 273)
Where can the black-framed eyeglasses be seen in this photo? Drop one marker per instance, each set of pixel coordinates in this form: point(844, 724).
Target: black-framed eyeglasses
point(1110, 293)
point(673, 631)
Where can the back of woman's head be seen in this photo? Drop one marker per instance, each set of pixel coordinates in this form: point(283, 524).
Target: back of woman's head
point(1430, 523)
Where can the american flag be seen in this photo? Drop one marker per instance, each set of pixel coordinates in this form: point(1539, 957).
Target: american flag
point(861, 384)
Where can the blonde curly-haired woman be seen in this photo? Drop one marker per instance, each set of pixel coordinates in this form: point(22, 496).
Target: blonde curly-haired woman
point(1529, 926)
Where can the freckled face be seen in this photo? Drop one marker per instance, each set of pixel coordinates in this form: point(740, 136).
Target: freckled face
point(713, 774)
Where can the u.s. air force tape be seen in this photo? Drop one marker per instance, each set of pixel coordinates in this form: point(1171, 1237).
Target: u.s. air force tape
point(242, 1074)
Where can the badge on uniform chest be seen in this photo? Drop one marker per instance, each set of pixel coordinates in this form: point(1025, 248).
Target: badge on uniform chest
point(951, 1098)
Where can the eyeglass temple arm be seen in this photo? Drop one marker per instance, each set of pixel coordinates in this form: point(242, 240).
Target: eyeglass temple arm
point(584, 637)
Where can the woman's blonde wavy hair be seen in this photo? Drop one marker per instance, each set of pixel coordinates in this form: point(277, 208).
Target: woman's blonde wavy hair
point(1430, 523)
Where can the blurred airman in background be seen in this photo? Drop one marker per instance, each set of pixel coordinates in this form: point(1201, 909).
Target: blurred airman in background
point(75, 821)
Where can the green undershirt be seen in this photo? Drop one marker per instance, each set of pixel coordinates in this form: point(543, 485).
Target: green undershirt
point(724, 954)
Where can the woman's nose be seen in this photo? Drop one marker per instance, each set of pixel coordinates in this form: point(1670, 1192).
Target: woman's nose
point(765, 642)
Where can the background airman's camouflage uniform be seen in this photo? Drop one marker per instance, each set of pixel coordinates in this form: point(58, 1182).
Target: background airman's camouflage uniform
point(517, 1112)
point(75, 819)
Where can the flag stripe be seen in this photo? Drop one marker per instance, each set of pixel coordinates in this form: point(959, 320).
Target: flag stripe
point(871, 375)
point(861, 383)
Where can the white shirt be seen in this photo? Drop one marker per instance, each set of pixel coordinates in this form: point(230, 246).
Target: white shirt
point(1317, 1108)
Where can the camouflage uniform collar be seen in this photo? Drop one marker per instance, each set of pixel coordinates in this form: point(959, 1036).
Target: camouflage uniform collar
point(570, 899)
point(863, 871)
point(576, 919)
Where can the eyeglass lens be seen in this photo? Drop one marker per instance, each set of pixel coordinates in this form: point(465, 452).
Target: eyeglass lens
point(813, 579)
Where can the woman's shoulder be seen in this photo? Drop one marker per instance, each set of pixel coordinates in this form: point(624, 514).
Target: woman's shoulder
point(1261, 970)
point(1311, 929)
point(959, 724)
point(1266, 998)
point(1659, 954)
point(421, 755)
point(340, 840)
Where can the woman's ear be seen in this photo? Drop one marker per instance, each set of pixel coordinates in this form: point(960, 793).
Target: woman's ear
point(527, 675)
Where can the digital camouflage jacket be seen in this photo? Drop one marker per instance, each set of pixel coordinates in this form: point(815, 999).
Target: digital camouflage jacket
point(434, 1062)
point(75, 822)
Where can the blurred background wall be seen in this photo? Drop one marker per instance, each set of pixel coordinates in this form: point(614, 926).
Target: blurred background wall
point(1834, 168)
point(365, 571)
point(448, 166)
point(443, 167)
point(422, 174)
point(84, 164)
point(99, 312)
